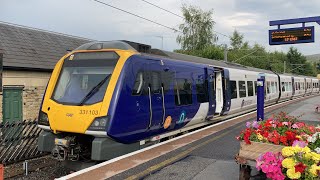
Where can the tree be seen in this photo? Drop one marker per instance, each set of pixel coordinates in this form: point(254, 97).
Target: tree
point(297, 62)
point(197, 29)
point(236, 40)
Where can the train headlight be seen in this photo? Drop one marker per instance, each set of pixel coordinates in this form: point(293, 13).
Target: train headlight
point(43, 119)
point(99, 124)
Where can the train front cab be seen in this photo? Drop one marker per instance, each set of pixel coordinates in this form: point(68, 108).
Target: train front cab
point(74, 113)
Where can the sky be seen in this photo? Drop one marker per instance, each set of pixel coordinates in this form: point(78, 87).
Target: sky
point(89, 19)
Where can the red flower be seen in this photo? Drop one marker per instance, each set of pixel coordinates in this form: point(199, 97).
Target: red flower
point(284, 140)
point(291, 136)
point(300, 167)
point(274, 137)
point(246, 136)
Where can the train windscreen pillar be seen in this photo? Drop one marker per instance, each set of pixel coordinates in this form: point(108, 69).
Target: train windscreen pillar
point(260, 98)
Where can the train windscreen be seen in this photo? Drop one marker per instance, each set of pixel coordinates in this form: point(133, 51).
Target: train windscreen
point(84, 78)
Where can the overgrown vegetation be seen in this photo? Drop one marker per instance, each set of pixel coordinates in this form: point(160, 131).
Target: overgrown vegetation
point(198, 39)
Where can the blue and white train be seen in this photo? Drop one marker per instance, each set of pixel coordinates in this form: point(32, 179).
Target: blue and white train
point(105, 99)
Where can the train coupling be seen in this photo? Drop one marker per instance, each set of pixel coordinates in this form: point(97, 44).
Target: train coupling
point(66, 149)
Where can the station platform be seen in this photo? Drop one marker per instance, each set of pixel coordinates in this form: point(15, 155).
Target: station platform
point(208, 153)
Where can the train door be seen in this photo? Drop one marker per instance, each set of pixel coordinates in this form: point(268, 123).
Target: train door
point(226, 91)
point(155, 76)
point(211, 90)
point(293, 87)
point(219, 91)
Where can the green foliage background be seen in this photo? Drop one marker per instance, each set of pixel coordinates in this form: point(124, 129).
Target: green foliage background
point(198, 39)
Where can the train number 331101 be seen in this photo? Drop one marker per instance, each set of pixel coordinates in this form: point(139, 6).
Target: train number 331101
point(90, 112)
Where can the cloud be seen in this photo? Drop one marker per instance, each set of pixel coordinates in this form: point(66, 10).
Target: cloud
point(96, 21)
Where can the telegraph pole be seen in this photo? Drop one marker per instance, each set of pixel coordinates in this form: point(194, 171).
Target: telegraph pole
point(225, 52)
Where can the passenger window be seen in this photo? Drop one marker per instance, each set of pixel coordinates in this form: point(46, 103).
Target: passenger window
point(276, 87)
point(290, 86)
point(283, 87)
point(233, 88)
point(155, 82)
point(250, 88)
point(242, 89)
point(268, 87)
point(138, 84)
point(273, 89)
point(255, 87)
point(167, 79)
point(183, 92)
point(202, 93)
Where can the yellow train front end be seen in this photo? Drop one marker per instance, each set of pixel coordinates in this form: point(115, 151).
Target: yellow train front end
point(76, 102)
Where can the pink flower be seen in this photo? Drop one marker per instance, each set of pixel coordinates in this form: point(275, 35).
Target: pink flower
point(248, 124)
point(285, 123)
point(255, 124)
point(299, 143)
point(295, 126)
point(270, 164)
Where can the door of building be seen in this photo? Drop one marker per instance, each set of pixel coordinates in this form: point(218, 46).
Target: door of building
point(12, 104)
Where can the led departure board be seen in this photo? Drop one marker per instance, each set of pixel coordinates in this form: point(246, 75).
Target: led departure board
point(291, 35)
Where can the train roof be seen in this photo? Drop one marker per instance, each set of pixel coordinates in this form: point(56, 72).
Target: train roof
point(195, 59)
point(147, 51)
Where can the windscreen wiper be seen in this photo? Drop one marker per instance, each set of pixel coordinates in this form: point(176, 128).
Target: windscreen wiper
point(94, 90)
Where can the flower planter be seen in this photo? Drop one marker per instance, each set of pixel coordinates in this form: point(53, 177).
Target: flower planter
point(255, 149)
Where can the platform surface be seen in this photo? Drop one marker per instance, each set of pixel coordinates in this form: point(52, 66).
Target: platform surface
point(216, 159)
point(207, 154)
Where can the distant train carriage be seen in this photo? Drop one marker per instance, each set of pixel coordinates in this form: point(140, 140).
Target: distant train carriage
point(105, 99)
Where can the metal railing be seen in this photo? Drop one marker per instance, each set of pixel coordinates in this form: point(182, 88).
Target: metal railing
point(18, 141)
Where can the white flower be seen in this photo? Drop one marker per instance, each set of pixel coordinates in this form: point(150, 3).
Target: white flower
point(317, 150)
point(311, 139)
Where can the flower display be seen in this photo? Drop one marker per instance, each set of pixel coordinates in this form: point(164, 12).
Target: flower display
point(270, 164)
point(314, 142)
point(299, 159)
point(280, 129)
point(300, 162)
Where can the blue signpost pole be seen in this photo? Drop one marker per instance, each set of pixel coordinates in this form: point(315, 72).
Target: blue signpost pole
point(260, 97)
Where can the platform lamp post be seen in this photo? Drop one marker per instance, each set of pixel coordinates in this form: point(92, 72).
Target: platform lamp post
point(260, 96)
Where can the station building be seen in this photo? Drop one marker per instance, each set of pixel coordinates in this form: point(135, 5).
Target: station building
point(29, 56)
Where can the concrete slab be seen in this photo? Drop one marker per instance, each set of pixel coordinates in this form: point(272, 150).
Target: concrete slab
point(306, 110)
point(221, 170)
point(184, 169)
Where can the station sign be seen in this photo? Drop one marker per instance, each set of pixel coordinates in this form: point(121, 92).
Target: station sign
point(291, 35)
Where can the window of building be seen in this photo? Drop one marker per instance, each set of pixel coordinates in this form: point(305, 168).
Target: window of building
point(242, 89)
point(201, 87)
point(183, 92)
point(233, 88)
point(250, 88)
